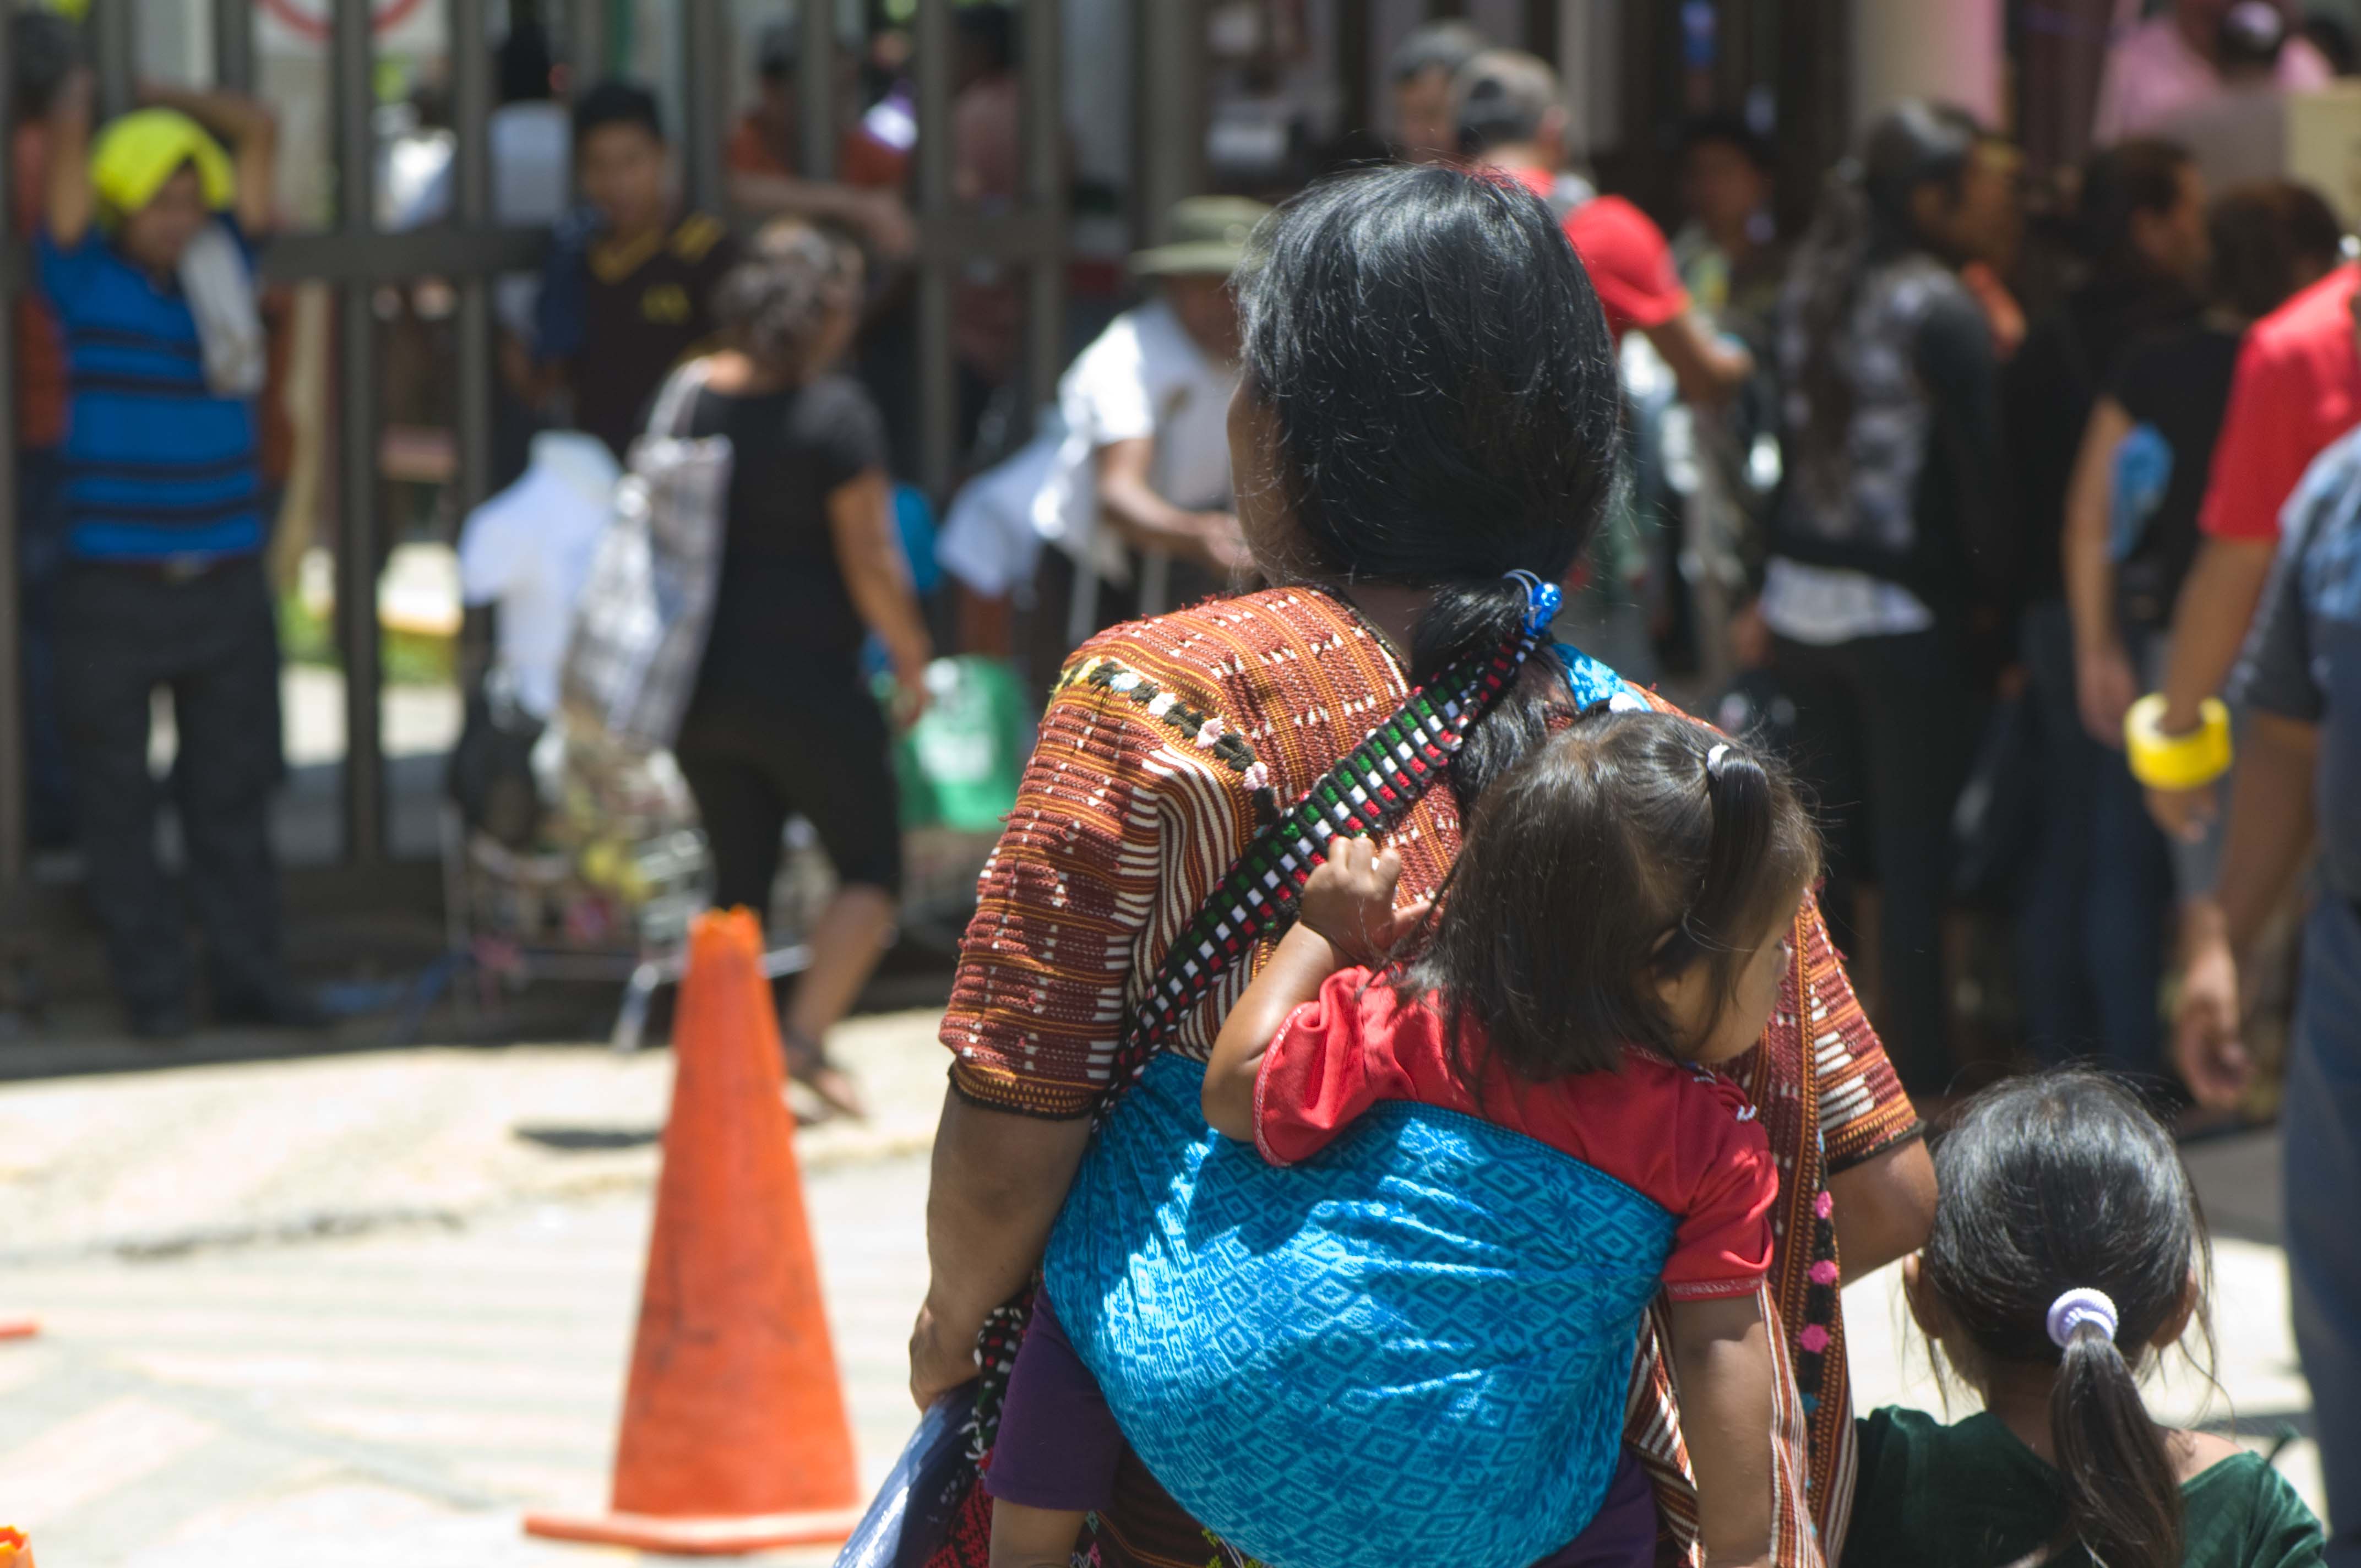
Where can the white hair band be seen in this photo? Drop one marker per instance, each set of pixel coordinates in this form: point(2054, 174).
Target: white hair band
point(2077, 1307)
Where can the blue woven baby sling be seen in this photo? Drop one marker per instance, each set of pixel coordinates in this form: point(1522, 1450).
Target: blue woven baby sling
point(1353, 1361)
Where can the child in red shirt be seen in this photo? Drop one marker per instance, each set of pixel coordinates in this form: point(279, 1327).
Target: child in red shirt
point(1615, 926)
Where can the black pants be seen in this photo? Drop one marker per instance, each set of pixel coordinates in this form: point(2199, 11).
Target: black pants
point(210, 641)
point(1881, 740)
point(751, 765)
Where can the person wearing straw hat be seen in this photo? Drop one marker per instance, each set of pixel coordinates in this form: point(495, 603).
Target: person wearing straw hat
point(1145, 449)
point(146, 257)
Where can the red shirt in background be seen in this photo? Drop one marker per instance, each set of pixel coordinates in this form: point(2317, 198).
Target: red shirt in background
point(41, 354)
point(2297, 387)
point(1628, 261)
point(1684, 1138)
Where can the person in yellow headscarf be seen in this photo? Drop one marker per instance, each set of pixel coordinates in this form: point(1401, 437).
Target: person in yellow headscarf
point(147, 257)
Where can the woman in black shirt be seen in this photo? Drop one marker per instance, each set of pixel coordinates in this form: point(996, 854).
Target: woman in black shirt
point(782, 722)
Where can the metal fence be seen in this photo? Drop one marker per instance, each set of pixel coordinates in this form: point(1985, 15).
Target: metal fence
point(354, 257)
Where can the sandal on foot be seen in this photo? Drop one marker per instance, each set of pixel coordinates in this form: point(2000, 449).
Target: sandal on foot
point(808, 1065)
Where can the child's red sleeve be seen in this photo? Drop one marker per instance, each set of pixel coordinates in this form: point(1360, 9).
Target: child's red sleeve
point(1327, 1066)
point(1723, 1247)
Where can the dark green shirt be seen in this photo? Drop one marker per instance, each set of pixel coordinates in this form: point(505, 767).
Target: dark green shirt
point(1971, 1496)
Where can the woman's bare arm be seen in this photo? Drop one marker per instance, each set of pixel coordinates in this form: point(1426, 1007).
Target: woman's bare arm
point(861, 522)
point(2105, 683)
point(998, 1181)
point(1884, 1208)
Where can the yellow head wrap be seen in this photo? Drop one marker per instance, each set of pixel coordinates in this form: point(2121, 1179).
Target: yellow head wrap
point(138, 152)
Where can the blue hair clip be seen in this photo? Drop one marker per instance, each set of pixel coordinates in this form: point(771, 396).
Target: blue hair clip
point(1541, 601)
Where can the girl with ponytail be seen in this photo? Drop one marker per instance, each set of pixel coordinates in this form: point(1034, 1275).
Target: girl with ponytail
point(2067, 1254)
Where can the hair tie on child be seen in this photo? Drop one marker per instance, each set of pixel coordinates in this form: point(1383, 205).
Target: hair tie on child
point(1542, 600)
point(1713, 758)
point(2077, 1307)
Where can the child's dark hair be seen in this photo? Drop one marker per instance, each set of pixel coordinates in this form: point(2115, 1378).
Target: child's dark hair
point(1621, 851)
point(2058, 1182)
point(615, 101)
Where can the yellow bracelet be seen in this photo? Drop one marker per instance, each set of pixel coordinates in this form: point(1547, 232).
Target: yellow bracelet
point(2176, 762)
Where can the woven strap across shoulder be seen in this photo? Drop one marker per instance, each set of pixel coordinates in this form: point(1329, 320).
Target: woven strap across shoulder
point(1369, 791)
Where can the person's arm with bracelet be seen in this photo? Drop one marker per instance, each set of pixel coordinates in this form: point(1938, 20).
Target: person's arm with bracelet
point(1148, 522)
point(2209, 623)
point(2259, 460)
point(861, 525)
point(2272, 807)
point(2106, 684)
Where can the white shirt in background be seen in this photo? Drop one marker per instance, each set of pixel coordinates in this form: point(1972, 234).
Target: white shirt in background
point(528, 551)
point(1144, 375)
point(1823, 605)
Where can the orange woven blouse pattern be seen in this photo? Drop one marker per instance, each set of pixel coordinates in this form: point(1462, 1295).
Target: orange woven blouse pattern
point(1127, 817)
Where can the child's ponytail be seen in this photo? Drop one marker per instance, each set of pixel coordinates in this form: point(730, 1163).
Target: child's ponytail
point(2067, 1235)
point(1743, 809)
point(2122, 1496)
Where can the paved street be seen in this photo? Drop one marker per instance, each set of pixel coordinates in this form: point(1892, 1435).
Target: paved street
point(366, 1310)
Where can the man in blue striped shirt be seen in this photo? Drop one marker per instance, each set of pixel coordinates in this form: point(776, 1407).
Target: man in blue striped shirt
point(144, 258)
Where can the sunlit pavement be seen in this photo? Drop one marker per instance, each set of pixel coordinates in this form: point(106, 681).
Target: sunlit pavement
point(366, 1311)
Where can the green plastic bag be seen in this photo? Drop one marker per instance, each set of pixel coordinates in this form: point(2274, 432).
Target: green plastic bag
point(958, 767)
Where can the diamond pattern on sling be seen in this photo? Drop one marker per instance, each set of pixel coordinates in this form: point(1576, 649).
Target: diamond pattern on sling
point(1382, 1331)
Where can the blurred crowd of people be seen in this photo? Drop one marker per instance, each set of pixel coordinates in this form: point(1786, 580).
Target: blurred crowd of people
point(1928, 487)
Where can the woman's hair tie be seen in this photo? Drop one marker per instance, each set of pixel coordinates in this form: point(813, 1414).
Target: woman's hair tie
point(2077, 1307)
point(1542, 600)
point(1713, 758)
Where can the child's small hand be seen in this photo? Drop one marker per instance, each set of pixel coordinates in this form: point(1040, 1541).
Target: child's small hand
point(1350, 900)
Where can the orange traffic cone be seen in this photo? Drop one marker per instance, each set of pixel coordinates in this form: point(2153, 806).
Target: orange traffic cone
point(734, 1432)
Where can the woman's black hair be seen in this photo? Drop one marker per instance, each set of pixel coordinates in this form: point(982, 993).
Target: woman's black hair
point(1866, 215)
point(1625, 850)
point(790, 281)
point(2146, 174)
point(2061, 1181)
point(1444, 396)
point(2265, 237)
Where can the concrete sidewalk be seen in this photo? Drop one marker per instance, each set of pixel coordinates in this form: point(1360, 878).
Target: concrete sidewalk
point(183, 1158)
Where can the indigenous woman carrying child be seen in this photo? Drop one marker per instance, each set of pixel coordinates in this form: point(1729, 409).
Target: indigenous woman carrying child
point(1616, 927)
point(1428, 404)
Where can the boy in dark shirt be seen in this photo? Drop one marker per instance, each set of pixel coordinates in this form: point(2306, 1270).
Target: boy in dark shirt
point(626, 294)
